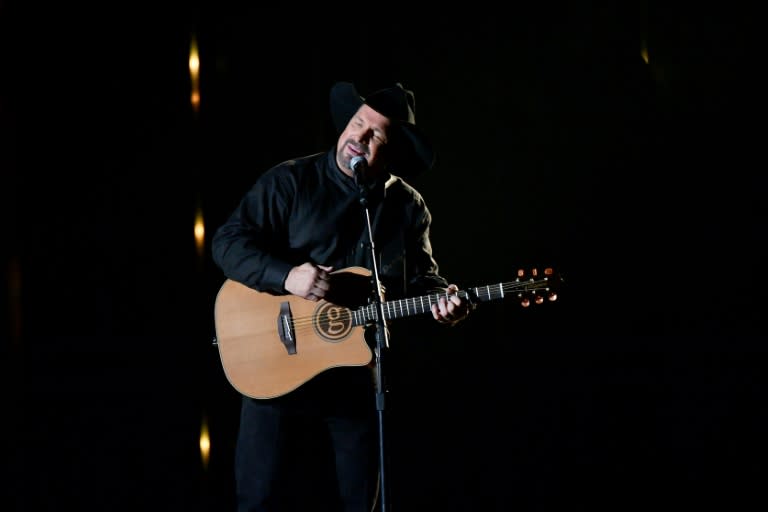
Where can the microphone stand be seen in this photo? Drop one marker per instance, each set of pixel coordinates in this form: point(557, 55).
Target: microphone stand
point(382, 343)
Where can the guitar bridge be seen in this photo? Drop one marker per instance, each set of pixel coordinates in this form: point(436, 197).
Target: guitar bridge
point(285, 327)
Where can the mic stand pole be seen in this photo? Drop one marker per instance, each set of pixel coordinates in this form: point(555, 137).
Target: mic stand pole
point(382, 343)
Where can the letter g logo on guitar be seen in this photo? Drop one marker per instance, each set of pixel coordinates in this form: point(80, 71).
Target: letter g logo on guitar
point(332, 322)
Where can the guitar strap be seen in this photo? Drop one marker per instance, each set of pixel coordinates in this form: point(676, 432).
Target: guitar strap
point(389, 240)
point(390, 247)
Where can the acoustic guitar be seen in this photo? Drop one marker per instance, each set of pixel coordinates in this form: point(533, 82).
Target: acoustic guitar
point(271, 344)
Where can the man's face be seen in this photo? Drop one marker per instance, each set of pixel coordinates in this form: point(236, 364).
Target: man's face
point(366, 135)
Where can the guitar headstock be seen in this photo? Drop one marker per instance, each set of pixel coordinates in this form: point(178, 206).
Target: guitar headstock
point(537, 286)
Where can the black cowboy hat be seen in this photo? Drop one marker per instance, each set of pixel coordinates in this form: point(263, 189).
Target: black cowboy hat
point(414, 153)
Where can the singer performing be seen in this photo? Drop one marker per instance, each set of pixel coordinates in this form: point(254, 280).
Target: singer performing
point(294, 230)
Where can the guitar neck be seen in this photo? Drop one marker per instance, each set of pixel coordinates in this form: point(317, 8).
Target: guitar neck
point(423, 304)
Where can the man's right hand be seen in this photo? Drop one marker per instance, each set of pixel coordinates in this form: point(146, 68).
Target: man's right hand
point(308, 281)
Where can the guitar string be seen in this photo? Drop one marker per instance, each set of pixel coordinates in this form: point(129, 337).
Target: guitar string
point(300, 322)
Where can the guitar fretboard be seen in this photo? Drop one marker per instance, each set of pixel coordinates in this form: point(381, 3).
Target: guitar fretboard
point(420, 305)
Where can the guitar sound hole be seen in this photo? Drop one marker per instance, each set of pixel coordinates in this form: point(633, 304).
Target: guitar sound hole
point(332, 323)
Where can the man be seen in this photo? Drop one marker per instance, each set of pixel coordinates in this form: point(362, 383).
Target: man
point(302, 222)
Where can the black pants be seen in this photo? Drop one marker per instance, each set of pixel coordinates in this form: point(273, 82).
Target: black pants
point(312, 449)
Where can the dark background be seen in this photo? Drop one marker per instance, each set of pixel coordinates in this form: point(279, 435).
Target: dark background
point(642, 387)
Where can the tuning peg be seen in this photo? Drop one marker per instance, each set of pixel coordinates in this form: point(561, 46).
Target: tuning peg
point(548, 271)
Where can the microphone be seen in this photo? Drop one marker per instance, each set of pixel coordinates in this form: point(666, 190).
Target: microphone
point(358, 165)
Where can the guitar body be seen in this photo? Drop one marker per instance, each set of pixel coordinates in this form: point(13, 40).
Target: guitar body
point(251, 332)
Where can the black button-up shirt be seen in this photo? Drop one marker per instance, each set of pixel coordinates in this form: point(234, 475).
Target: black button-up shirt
point(307, 209)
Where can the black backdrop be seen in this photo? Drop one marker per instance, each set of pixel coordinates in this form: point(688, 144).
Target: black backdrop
point(558, 144)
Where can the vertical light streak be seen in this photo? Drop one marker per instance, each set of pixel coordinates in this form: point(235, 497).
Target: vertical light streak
point(194, 74)
point(205, 443)
point(199, 231)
